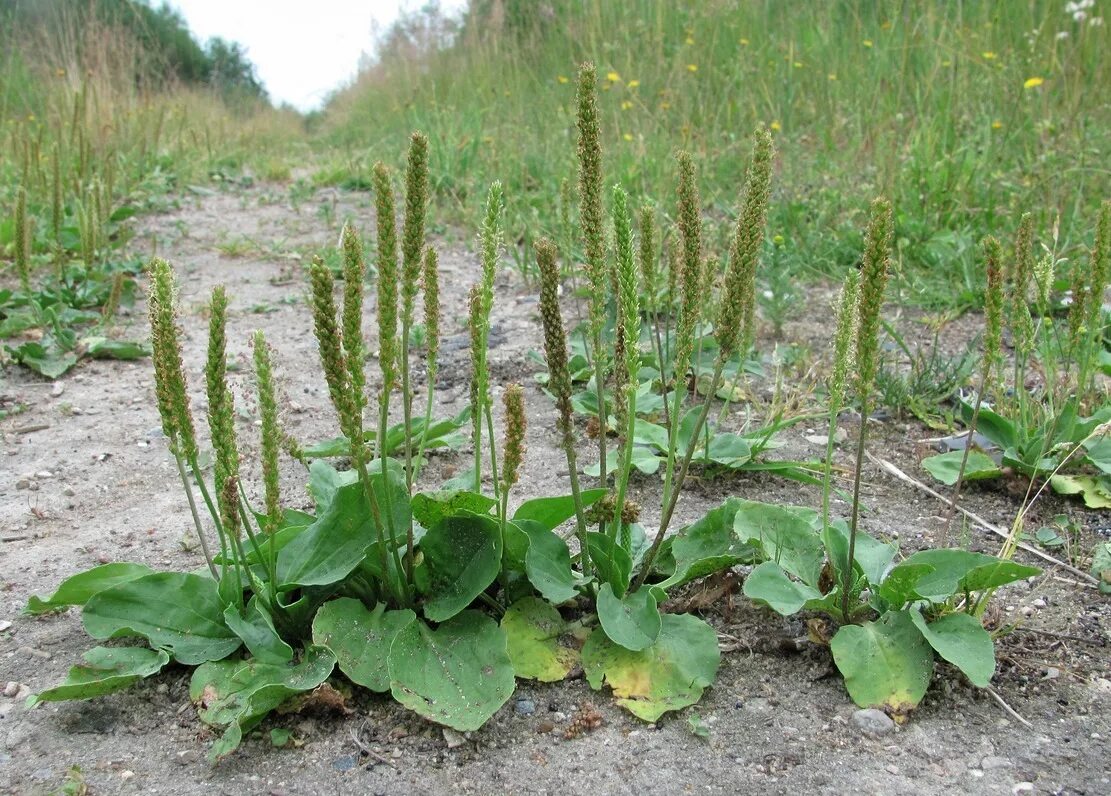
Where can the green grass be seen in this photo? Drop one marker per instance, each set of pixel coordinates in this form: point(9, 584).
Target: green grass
point(928, 103)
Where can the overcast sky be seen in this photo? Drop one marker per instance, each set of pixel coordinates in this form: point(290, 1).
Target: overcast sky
point(302, 48)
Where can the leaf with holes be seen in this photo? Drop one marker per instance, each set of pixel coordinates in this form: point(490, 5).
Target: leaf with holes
point(360, 638)
point(669, 675)
point(534, 631)
point(457, 675)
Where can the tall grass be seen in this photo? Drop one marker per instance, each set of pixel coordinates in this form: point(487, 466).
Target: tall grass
point(91, 95)
point(937, 105)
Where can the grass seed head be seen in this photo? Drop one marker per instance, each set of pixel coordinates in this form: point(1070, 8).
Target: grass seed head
point(416, 207)
point(555, 337)
point(330, 346)
point(993, 308)
point(649, 272)
point(737, 314)
point(387, 276)
point(690, 277)
point(873, 282)
point(515, 425)
point(354, 270)
point(169, 375)
point(271, 433)
point(590, 195)
point(22, 240)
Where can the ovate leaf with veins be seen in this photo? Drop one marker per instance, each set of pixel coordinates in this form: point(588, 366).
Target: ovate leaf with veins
point(77, 589)
point(669, 675)
point(548, 562)
point(946, 467)
point(770, 585)
point(176, 611)
point(457, 675)
point(632, 621)
point(551, 512)
point(886, 664)
point(237, 695)
point(463, 556)
point(105, 670)
point(961, 640)
point(360, 638)
point(534, 630)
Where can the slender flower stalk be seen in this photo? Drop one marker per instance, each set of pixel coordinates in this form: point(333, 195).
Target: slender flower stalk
point(271, 432)
point(412, 244)
point(739, 288)
point(22, 241)
point(482, 304)
point(873, 282)
point(992, 359)
point(173, 403)
point(1087, 326)
point(559, 379)
point(112, 303)
point(1018, 310)
point(57, 210)
point(354, 355)
point(221, 416)
point(629, 314)
point(591, 221)
point(844, 358)
point(387, 282)
point(431, 284)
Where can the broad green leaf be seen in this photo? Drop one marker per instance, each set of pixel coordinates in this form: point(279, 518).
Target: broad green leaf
point(632, 621)
point(237, 695)
point(1101, 566)
point(886, 663)
point(325, 480)
point(333, 546)
point(175, 611)
point(1096, 490)
point(104, 348)
point(551, 512)
point(650, 434)
point(669, 675)
point(548, 563)
point(786, 535)
point(770, 585)
point(901, 584)
point(945, 467)
point(709, 545)
point(995, 573)
point(457, 675)
point(730, 450)
point(50, 361)
point(429, 509)
point(106, 670)
point(610, 560)
point(77, 589)
point(871, 555)
point(256, 629)
point(534, 631)
point(960, 570)
point(462, 556)
point(993, 426)
point(961, 639)
point(360, 639)
point(644, 460)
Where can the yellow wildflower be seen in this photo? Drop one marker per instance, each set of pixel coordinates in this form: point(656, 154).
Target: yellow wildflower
point(633, 83)
point(613, 77)
point(1033, 82)
point(563, 79)
point(692, 67)
point(628, 136)
point(776, 126)
point(745, 42)
point(832, 76)
point(997, 125)
point(664, 106)
point(946, 63)
point(625, 105)
point(61, 73)
point(988, 55)
point(690, 39)
point(867, 42)
point(798, 64)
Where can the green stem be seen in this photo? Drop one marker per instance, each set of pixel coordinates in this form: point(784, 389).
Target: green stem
point(196, 516)
point(427, 422)
point(855, 521)
point(827, 471)
point(403, 573)
point(407, 412)
point(626, 467)
point(672, 498)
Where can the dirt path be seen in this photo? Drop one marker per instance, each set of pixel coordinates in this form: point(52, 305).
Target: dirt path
point(95, 484)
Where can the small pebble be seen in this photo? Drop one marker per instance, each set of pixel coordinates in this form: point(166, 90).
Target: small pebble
point(69, 491)
point(4, 625)
point(34, 653)
point(992, 762)
point(126, 775)
point(344, 763)
point(1023, 787)
point(525, 707)
point(22, 483)
point(187, 756)
point(44, 474)
point(871, 721)
point(57, 389)
point(11, 689)
point(1039, 603)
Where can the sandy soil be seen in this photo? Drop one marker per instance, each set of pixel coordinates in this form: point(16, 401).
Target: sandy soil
point(95, 484)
